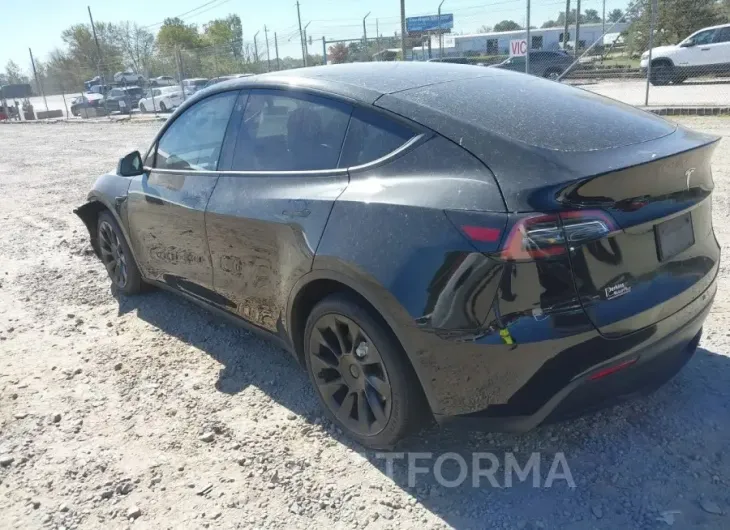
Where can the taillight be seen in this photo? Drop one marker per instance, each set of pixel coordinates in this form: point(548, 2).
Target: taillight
point(545, 236)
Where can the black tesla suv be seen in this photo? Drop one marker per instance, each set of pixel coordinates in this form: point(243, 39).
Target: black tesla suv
point(428, 240)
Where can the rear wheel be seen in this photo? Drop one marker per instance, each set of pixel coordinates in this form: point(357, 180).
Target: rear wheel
point(163, 107)
point(361, 374)
point(116, 256)
point(552, 74)
point(661, 74)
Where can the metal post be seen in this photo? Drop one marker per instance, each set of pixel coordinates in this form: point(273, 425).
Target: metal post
point(63, 95)
point(276, 48)
point(377, 37)
point(268, 55)
point(306, 44)
point(577, 28)
point(529, 43)
point(603, 20)
point(255, 50)
point(324, 51)
point(567, 26)
point(441, 33)
point(301, 36)
point(100, 59)
point(178, 58)
point(652, 22)
point(403, 29)
point(37, 80)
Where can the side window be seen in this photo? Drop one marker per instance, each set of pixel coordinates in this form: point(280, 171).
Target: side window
point(704, 37)
point(115, 92)
point(194, 139)
point(286, 132)
point(722, 35)
point(370, 137)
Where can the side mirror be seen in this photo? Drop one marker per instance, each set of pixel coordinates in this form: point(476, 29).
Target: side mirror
point(687, 44)
point(130, 165)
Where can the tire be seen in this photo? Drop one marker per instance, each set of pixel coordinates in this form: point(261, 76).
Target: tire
point(552, 74)
point(376, 381)
point(163, 107)
point(661, 74)
point(114, 251)
point(142, 108)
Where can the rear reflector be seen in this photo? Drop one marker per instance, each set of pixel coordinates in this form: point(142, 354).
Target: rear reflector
point(611, 369)
point(481, 233)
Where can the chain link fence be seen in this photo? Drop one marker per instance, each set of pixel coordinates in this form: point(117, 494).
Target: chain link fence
point(654, 53)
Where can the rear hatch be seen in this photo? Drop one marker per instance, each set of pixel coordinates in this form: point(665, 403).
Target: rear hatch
point(631, 190)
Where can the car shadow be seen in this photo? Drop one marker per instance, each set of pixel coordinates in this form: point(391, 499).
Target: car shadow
point(625, 466)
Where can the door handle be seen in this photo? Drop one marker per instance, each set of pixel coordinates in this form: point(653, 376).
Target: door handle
point(705, 49)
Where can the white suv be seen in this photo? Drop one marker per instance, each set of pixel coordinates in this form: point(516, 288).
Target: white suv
point(705, 51)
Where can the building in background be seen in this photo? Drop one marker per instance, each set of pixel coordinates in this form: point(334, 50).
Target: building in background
point(497, 43)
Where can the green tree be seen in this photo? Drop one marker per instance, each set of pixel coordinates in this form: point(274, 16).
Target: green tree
point(676, 19)
point(225, 34)
point(507, 25)
point(591, 17)
point(14, 74)
point(550, 24)
point(175, 34)
point(615, 15)
point(82, 50)
point(137, 45)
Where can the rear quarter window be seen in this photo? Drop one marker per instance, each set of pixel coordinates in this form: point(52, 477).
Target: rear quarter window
point(371, 136)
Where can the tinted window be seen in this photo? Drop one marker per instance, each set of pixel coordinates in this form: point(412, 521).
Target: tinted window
point(194, 139)
point(722, 35)
point(370, 137)
point(116, 92)
point(290, 133)
point(704, 37)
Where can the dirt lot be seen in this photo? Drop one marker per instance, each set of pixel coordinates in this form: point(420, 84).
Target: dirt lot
point(147, 412)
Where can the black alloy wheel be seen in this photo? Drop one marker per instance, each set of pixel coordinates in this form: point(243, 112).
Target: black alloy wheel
point(112, 255)
point(117, 257)
point(361, 374)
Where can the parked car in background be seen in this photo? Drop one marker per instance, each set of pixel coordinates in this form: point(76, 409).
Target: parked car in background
point(100, 89)
point(706, 51)
point(123, 99)
point(548, 64)
point(163, 99)
point(163, 80)
point(194, 84)
point(96, 80)
point(86, 101)
point(428, 241)
point(222, 78)
point(129, 78)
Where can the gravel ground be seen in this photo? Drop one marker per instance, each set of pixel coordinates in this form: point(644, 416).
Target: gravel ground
point(147, 412)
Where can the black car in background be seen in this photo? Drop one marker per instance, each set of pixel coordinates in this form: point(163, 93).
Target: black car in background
point(423, 242)
point(123, 99)
point(548, 64)
point(86, 101)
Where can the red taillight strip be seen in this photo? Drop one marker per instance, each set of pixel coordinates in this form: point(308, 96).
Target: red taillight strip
point(611, 369)
point(482, 234)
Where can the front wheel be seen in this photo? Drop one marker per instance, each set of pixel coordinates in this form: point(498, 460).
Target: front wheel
point(142, 108)
point(361, 375)
point(116, 256)
point(661, 74)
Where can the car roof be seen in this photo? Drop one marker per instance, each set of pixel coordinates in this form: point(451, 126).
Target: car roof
point(363, 82)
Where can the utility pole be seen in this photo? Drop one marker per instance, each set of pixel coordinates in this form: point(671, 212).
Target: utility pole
point(603, 30)
point(276, 47)
point(403, 28)
point(377, 37)
point(38, 81)
point(577, 28)
point(324, 50)
point(441, 33)
point(529, 44)
point(365, 30)
point(301, 35)
point(98, 51)
point(652, 22)
point(268, 55)
point(306, 45)
point(567, 26)
point(255, 50)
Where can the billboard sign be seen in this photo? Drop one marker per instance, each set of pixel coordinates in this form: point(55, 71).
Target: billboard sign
point(429, 23)
point(518, 48)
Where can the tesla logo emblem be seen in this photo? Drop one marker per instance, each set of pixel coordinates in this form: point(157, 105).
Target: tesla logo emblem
point(688, 174)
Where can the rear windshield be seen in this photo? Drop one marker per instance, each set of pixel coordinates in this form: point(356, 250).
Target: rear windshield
point(134, 91)
point(536, 112)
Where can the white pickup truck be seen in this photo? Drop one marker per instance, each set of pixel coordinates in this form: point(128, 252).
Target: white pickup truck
point(706, 51)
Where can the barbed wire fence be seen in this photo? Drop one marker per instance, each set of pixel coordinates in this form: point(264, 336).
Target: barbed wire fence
point(609, 56)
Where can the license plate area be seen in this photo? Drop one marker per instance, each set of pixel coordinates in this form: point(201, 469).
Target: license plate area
point(674, 236)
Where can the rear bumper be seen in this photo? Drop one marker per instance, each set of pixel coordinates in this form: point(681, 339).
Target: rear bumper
point(656, 354)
